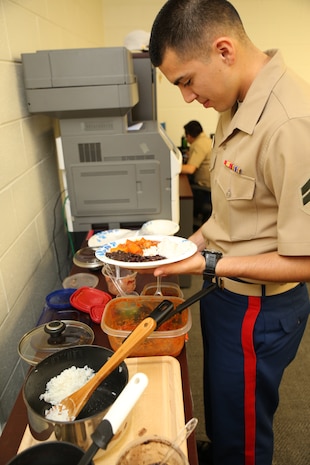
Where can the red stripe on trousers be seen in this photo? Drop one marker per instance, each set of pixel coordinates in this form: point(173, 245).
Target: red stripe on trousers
point(254, 305)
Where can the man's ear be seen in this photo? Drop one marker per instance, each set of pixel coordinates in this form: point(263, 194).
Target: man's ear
point(225, 48)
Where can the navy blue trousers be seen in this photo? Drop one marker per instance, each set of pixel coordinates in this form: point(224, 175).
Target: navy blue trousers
point(248, 342)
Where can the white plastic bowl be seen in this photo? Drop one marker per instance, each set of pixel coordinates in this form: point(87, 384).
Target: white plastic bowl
point(160, 228)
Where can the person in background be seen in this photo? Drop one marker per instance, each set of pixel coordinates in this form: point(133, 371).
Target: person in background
point(198, 156)
point(256, 244)
point(198, 169)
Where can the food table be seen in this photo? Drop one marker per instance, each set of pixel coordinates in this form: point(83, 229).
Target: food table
point(15, 428)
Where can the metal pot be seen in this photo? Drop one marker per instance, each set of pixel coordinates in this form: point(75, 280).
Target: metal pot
point(78, 431)
point(49, 453)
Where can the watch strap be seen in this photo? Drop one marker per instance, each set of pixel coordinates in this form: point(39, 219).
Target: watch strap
point(211, 258)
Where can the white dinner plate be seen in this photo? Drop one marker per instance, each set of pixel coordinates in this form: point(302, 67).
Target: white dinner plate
point(175, 249)
point(103, 237)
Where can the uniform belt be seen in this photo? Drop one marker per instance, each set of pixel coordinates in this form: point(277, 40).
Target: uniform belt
point(257, 290)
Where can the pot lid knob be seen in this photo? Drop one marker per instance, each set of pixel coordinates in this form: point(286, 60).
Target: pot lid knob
point(55, 328)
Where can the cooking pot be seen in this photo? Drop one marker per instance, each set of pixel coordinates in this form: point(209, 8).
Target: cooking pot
point(63, 453)
point(49, 453)
point(78, 431)
point(86, 258)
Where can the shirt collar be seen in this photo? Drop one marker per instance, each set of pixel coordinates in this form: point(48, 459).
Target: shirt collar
point(249, 113)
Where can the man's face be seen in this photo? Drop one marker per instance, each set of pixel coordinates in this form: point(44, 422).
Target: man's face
point(189, 138)
point(210, 82)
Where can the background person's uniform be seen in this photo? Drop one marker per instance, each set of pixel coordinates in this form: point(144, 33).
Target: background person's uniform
point(260, 181)
point(199, 156)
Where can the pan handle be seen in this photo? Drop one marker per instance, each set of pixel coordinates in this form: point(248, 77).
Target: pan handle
point(188, 302)
point(162, 312)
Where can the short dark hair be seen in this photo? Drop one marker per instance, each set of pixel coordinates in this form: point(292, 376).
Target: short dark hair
point(193, 128)
point(190, 26)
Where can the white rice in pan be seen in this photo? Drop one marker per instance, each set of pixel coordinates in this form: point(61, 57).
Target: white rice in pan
point(61, 386)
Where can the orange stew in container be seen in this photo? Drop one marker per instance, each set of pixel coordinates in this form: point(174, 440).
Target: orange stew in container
point(123, 314)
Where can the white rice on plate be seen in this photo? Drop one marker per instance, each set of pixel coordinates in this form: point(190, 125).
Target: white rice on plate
point(168, 249)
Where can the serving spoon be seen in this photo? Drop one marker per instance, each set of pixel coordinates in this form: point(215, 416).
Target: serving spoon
point(73, 404)
point(70, 406)
point(185, 432)
point(117, 413)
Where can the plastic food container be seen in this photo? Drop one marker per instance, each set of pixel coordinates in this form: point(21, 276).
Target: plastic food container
point(92, 301)
point(60, 299)
point(152, 451)
point(126, 280)
point(123, 314)
point(168, 289)
point(80, 280)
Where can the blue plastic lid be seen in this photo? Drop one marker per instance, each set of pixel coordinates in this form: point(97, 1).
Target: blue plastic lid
point(60, 299)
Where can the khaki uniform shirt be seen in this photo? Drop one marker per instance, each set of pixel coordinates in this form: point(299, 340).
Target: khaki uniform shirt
point(260, 169)
point(199, 156)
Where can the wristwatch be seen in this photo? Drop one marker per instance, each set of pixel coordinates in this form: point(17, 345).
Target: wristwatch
point(211, 257)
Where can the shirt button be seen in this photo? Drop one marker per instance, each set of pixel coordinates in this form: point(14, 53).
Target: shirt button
point(228, 194)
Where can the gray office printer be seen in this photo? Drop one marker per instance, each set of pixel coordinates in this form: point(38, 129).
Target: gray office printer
point(114, 174)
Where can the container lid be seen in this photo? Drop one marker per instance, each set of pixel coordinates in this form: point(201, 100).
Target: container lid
point(80, 280)
point(60, 299)
point(92, 301)
point(86, 258)
point(48, 338)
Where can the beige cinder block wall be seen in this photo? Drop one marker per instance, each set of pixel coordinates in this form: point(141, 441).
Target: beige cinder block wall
point(29, 186)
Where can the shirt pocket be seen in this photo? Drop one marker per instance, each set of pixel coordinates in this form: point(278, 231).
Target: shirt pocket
point(238, 191)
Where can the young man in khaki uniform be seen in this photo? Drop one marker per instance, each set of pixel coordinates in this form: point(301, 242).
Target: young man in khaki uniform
point(256, 244)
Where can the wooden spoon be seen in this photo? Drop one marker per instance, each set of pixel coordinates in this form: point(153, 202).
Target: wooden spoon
point(74, 403)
